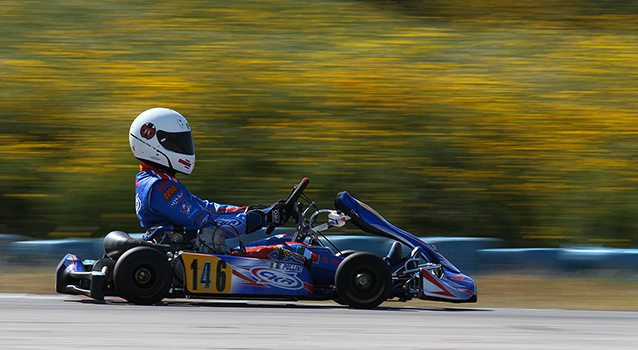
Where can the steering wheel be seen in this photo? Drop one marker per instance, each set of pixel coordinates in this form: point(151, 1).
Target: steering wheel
point(291, 202)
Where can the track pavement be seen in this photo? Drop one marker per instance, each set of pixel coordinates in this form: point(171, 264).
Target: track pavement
point(56, 322)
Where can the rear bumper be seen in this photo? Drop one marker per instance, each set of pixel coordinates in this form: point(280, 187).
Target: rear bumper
point(71, 278)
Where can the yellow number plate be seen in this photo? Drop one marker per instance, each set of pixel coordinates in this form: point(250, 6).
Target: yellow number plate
point(206, 274)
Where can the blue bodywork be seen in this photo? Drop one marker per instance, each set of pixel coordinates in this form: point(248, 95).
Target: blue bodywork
point(452, 285)
point(220, 275)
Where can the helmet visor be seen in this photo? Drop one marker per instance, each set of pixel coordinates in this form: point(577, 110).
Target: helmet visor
point(180, 142)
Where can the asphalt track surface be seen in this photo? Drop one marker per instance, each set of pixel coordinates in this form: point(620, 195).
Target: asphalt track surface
point(60, 322)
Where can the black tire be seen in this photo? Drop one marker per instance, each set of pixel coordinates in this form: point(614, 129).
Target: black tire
point(142, 275)
point(340, 302)
point(346, 253)
point(105, 265)
point(363, 281)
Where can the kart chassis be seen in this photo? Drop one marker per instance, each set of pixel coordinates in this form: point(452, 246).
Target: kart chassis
point(358, 279)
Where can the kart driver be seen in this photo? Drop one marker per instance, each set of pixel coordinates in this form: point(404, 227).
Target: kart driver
point(162, 140)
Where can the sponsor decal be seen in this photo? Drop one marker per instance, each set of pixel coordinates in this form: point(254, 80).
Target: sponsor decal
point(147, 131)
point(184, 162)
point(278, 252)
point(201, 218)
point(309, 255)
point(228, 222)
point(325, 260)
point(162, 185)
point(287, 267)
point(182, 123)
point(170, 192)
point(275, 217)
point(177, 199)
point(277, 278)
point(186, 208)
point(138, 204)
point(268, 277)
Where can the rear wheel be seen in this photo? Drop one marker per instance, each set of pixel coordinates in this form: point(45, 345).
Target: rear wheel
point(142, 275)
point(363, 281)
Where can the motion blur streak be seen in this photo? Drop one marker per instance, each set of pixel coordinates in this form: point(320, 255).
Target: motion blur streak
point(511, 119)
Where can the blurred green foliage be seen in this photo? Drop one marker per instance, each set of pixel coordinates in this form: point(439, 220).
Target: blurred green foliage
point(510, 119)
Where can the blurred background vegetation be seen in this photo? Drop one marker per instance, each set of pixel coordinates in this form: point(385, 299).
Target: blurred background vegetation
point(509, 119)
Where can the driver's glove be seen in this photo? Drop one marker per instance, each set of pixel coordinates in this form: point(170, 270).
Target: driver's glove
point(276, 214)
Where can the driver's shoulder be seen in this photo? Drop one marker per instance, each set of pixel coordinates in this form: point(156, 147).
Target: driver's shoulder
point(167, 189)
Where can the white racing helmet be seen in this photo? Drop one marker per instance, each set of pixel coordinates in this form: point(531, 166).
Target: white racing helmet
point(162, 137)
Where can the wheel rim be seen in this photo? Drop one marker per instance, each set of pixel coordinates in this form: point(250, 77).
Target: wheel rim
point(143, 277)
point(364, 281)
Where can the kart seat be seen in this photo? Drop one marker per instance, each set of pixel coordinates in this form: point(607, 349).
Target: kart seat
point(394, 255)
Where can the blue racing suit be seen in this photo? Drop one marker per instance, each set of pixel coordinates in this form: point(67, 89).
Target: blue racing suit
point(161, 199)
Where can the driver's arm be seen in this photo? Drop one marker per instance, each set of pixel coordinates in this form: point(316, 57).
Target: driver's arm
point(174, 202)
point(218, 208)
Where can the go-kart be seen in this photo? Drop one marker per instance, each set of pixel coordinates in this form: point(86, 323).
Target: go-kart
point(168, 263)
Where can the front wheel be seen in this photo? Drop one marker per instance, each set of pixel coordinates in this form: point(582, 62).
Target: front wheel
point(363, 281)
point(142, 275)
point(346, 253)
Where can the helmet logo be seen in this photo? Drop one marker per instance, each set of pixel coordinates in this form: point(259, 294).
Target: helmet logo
point(185, 162)
point(147, 131)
